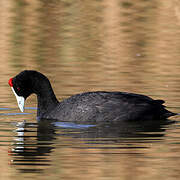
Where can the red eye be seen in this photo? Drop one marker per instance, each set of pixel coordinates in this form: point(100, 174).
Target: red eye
point(18, 88)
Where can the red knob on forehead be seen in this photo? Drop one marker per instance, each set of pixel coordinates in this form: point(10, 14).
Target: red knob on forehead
point(10, 82)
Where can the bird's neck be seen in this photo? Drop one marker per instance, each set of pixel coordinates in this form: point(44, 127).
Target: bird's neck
point(47, 101)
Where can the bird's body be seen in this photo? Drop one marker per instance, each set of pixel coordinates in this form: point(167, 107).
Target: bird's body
point(107, 106)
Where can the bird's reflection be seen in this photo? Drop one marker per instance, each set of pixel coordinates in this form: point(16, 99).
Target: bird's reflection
point(34, 142)
point(32, 145)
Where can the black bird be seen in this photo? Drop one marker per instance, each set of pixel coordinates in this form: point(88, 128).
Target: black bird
point(99, 106)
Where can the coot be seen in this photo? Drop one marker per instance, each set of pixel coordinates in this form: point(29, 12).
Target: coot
point(89, 106)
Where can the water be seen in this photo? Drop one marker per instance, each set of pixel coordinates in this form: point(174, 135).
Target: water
point(87, 46)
